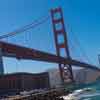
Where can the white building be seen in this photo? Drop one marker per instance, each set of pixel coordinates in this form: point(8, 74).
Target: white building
point(80, 76)
point(55, 79)
point(85, 75)
point(92, 75)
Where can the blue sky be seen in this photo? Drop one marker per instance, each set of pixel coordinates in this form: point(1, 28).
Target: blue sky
point(82, 19)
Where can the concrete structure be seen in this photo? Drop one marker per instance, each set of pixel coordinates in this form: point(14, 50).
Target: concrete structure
point(24, 81)
point(80, 75)
point(54, 78)
point(92, 75)
point(85, 75)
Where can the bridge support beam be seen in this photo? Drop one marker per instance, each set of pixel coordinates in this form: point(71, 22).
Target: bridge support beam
point(1, 62)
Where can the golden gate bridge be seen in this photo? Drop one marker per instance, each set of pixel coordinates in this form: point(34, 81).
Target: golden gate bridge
point(22, 52)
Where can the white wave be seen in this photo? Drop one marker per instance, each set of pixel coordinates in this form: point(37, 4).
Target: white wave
point(82, 93)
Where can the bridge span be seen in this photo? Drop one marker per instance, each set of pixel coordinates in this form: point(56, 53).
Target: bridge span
point(21, 52)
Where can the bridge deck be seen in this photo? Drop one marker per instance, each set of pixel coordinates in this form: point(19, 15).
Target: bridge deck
point(20, 52)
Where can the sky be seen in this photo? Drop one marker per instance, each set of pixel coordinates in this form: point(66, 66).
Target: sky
point(82, 20)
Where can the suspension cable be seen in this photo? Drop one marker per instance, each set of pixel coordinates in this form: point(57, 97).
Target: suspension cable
point(78, 43)
point(26, 27)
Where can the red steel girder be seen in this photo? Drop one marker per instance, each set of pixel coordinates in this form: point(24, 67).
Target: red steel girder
point(11, 50)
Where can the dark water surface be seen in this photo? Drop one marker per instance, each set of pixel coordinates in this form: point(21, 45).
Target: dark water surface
point(96, 94)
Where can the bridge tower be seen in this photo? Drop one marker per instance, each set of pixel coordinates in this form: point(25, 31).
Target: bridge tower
point(60, 34)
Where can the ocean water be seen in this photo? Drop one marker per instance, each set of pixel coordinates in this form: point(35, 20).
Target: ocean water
point(91, 96)
point(94, 95)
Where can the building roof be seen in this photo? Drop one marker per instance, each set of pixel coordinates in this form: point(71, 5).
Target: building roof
point(24, 73)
